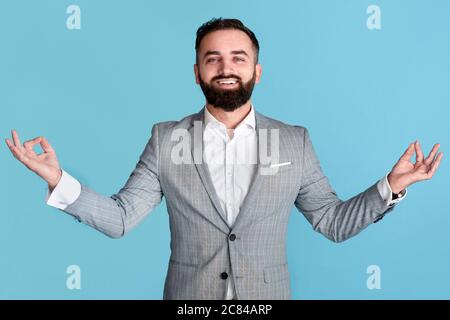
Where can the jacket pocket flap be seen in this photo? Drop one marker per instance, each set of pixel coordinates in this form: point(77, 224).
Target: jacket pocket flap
point(276, 273)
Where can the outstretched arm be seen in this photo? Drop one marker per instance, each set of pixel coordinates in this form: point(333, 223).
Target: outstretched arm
point(336, 219)
point(114, 215)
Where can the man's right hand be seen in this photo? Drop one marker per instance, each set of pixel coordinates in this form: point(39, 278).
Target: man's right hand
point(44, 165)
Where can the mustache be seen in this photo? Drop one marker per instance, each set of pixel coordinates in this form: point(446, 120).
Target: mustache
point(231, 76)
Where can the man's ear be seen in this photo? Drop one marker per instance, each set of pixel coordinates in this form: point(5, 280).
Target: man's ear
point(258, 71)
point(197, 80)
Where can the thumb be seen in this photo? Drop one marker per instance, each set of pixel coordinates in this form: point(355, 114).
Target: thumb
point(408, 152)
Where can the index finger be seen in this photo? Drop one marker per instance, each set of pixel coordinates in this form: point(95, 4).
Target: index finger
point(419, 153)
point(46, 145)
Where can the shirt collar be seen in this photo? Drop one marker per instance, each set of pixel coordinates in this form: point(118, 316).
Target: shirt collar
point(248, 120)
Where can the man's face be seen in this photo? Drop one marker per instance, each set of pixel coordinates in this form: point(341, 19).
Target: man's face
point(226, 69)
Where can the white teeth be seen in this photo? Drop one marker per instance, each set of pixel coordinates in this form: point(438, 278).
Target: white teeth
point(227, 82)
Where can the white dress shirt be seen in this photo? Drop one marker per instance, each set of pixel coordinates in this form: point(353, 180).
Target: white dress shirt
point(231, 160)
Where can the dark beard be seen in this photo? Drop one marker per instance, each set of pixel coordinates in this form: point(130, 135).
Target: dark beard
point(227, 99)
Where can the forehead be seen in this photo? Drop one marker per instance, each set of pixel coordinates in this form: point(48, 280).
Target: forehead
point(226, 40)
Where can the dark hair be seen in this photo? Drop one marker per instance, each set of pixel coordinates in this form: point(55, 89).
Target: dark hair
point(216, 24)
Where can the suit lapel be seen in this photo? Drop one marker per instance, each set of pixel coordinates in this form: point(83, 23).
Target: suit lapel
point(196, 139)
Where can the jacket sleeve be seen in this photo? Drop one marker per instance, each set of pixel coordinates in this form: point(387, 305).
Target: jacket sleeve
point(119, 213)
point(336, 219)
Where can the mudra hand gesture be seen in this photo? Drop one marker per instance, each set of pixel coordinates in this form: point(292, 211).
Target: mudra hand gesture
point(44, 164)
point(404, 173)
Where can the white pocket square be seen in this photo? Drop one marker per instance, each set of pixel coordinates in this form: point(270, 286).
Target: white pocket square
point(280, 164)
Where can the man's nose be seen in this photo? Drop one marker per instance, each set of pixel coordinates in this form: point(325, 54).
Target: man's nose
point(226, 67)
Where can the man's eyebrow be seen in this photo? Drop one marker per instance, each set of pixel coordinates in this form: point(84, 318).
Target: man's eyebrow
point(239, 52)
point(210, 52)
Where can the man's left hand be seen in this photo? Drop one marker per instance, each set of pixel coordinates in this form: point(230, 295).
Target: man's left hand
point(405, 173)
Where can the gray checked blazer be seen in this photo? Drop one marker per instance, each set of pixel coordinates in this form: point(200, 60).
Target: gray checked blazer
point(204, 249)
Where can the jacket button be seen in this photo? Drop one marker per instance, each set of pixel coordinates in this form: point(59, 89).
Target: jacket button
point(232, 237)
point(224, 275)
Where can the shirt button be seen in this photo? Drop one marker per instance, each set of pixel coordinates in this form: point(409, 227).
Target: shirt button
point(232, 237)
point(224, 275)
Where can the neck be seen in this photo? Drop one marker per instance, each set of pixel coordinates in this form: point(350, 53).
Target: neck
point(230, 119)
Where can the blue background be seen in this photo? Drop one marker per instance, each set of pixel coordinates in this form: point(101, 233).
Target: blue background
point(95, 93)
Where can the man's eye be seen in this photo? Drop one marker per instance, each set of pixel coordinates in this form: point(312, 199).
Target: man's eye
point(239, 59)
point(211, 60)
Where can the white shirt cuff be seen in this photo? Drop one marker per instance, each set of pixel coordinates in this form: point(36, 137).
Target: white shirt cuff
point(65, 193)
point(386, 192)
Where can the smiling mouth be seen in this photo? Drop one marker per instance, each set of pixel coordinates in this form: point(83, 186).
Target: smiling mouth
point(227, 82)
